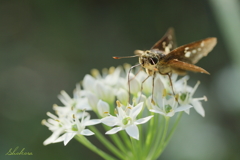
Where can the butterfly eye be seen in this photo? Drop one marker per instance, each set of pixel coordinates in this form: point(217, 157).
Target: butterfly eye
point(153, 60)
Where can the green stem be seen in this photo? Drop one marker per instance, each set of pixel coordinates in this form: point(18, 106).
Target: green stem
point(111, 147)
point(156, 141)
point(160, 147)
point(125, 138)
point(172, 130)
point(135, 153)
point(89, 145)
point(151, 132)
point(117, 141)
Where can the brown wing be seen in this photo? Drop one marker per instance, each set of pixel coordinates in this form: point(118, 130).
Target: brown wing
point(167, 42)
point(193, 52)
point(179, 67)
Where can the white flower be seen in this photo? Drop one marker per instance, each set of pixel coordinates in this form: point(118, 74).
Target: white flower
point(78, 102)
point(168, 107)
point(104, 92)
point(74, 127)
point(134, 84)
point(103, 108)
point(163, 104)
point(126, 120)
point(185, 98)
point(92, 100)
point(96, 89)
point(147, 85)
point(122, 96)
point(53, 125)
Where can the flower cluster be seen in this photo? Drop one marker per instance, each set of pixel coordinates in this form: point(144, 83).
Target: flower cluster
point(99, 92)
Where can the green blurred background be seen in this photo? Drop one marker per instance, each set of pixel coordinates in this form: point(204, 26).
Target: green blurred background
point(48, 46)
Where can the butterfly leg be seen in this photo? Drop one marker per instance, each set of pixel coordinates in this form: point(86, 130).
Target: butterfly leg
point(130, 80)
point(136, 74)
point(153, 88)
point(142, 87)
point(169, 76)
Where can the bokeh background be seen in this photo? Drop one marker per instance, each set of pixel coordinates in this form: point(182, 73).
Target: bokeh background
point(47, 46)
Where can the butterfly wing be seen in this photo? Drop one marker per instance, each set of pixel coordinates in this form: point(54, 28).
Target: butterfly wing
point(167, 43)
point(181, 67)
point(193, 52)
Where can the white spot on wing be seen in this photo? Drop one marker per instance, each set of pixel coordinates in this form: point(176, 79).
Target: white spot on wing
point(194, 51)
point(186, 48)
point(187, 54)
point(202, 43)
point(169, 46)
point(167, 50)
point(164, 44)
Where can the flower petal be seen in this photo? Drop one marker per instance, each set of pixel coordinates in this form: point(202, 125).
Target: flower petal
point(53, 137)
point(187, 111)
point(92, 100)
point(103, 108)
point(64, 98)
point(83, 104)
point(198, 107)
point(134, 84)
point(132, 131)
point(68, 137)
point(157, 111)
point(86, 132)
point(59, 139)
point(183, 108)
point(92, 122)
point(158, 88)
point(143, 120)
point(88, 82)
point(149, 103)
point(122, 96)
point(170, 114)
point(110, 121)
point(136, 110)
point(114, 130)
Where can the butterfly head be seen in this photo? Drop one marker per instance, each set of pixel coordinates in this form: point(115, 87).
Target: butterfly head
point(149, 58)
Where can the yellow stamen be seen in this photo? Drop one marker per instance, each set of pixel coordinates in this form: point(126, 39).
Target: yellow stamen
point(126, 65)
point(118, 103)
point(164, 92)
point(95, 73)
point(111, 70)
point(153, 102)
point(43, 122)
point(105, 71)
point(115, 111)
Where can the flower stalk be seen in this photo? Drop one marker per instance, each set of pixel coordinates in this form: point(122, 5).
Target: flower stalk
point(137, 131)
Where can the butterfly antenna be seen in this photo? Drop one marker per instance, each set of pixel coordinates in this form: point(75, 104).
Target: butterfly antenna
point(126, 57)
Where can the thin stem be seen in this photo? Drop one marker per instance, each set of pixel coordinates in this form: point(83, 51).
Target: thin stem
point(117, 140)
point(141, 134)
point(115, 137)
point(172, 130)
point(125, 137)
point(135, 154)
point(109, 145)
point(157, 139)
point(89, 145)
point(160, 147)
point(152, 129)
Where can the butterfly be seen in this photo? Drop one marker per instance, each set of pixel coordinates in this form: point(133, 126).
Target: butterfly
point(165, 58)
